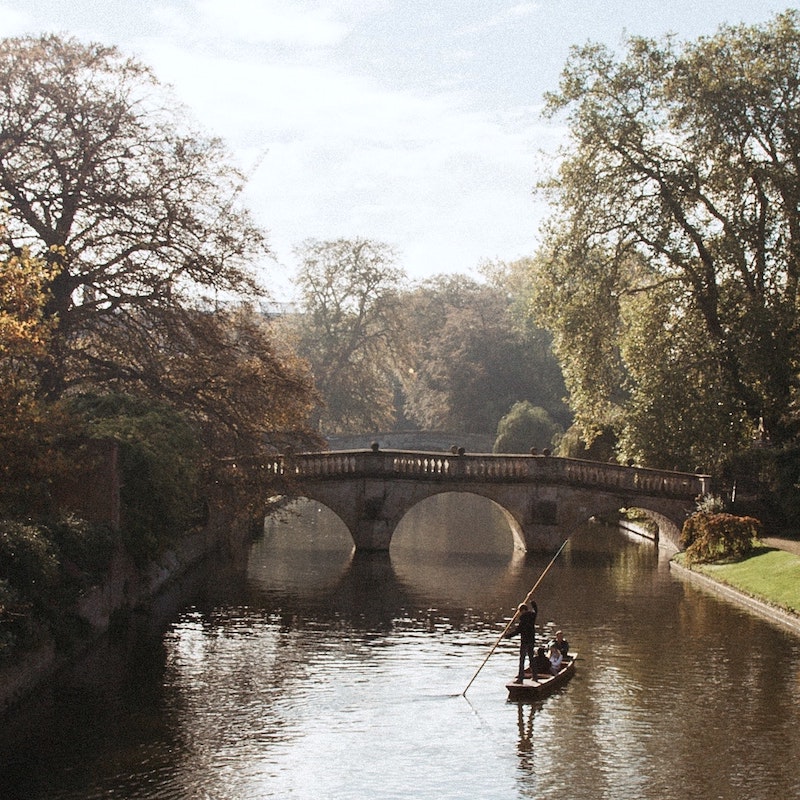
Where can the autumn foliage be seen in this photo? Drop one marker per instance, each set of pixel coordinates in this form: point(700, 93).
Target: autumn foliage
point(28, 428)
point(719, 536)
point(127, 271)
point(128, 314)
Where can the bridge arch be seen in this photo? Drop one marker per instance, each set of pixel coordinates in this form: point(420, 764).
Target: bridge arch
point(467, 521)
point(543, 497)
point(380, 527)
point(668, 530)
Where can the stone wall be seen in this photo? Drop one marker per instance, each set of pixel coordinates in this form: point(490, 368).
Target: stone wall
point(125, 588)
point(92, 490)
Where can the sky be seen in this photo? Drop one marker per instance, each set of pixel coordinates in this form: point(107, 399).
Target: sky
point(416, 124)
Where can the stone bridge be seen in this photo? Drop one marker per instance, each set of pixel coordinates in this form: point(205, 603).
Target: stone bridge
point(543, 497)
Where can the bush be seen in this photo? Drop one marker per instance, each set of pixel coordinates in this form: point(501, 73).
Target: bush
point(29, 571)
point(84, 549)
point(525, 426)
point(28, 559)
point(711, 504)
point(11, 615)
point(43, 567)
point(710, 537)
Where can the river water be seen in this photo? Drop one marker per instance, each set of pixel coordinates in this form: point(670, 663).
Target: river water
point(310, 673)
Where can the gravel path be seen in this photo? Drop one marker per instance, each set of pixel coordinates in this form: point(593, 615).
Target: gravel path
point(791, 545)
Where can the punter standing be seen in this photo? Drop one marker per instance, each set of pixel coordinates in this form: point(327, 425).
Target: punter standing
point(526, 628)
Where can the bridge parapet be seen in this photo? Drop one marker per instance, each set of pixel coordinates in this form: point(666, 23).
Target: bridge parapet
point(488, 468)
point(542, 496)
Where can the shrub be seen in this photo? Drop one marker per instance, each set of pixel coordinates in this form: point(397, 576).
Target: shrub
point(28, 559)
point(84, 549)
point(525, 426)
point(10, 617)
point(710, 537)
point(711, 504)
point(43, 567)
point(29, 570)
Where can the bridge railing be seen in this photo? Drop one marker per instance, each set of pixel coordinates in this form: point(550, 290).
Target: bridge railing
point(401, 464)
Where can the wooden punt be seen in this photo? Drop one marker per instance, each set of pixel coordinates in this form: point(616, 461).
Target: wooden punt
point(534, 688)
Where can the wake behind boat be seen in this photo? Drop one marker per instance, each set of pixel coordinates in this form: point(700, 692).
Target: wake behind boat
point(534, 687)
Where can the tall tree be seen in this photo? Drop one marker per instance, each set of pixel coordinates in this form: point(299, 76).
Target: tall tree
point(224, 378)
point(149, 261)
point(471, 362)
point(677, 201)
point(223, 370)
point(524, 427)
point(107, 181)
point(349, 330)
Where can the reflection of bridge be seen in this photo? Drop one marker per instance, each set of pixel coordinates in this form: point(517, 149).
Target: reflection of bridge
point(543, 497)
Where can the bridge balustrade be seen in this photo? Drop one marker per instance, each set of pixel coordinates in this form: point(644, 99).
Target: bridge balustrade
point(490, 467)
point(410, 465)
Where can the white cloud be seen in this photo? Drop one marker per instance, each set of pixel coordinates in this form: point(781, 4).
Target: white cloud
point(342, 150)
point(287, 22)
point(410, 122)
point(420, 169)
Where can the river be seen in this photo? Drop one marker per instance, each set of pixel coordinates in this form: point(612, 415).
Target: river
point(310, 673)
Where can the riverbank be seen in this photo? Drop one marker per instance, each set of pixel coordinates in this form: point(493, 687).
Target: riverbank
point(758, 591)
point(126, 588)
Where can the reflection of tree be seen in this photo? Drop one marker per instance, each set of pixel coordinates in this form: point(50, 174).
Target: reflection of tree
point(466, 579)
point(370, 595)
point(455, 522)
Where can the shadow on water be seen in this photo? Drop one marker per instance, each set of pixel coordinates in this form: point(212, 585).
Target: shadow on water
point(107, 707)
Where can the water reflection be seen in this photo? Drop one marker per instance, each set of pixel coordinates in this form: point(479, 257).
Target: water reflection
point(423, 568)
point(446, 547)
point(318, 671)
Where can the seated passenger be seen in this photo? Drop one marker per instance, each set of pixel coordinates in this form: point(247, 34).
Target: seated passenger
point(555, 660)
point(541, 664)
point(561, 643)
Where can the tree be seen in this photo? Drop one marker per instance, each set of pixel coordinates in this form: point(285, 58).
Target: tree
point(524, 427)
point(471, 360)
point(160, 463)
point(146, 260)
point(23, 329)
point(348, 329)
point(572, 445)
point(28, 458)
point(133, 210)
point(669, 273)
point(244, 397)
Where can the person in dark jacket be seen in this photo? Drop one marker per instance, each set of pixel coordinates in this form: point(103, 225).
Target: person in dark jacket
point(526, 628)
point(542, 663)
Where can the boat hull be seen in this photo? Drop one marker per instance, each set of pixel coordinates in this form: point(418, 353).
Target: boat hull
point(534, 688)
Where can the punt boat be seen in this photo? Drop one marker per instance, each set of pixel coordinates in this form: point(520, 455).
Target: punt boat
point(534, 687)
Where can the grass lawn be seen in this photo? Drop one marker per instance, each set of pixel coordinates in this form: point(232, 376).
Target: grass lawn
point(770, 575)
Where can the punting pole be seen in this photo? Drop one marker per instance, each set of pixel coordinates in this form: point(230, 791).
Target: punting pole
point(516, 612)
